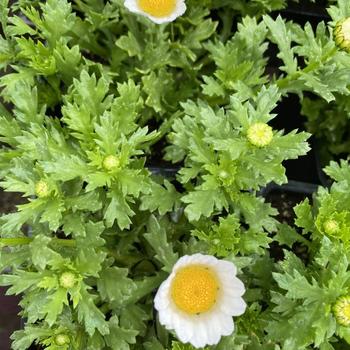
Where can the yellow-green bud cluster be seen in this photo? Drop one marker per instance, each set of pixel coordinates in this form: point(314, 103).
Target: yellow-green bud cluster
point(260, 134)
point(341, 34)
point(42, 189)
point(62, 339)
point(331, 227)
point(223, 174)
point(111, 162)
point(67, 280)
point(341, 310)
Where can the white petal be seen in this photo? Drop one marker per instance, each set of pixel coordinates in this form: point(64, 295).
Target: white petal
point(233, 306)
point(183, 261)
point(199, 338)
point(166, 318)
point(232, 285)
point(207, 328)
point(161, 300)
point(132, 6)
point(184, 328)
point(213, 330)
point(227, 325)
point(180, 9)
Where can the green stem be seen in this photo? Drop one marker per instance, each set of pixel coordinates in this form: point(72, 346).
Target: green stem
point(12, 242)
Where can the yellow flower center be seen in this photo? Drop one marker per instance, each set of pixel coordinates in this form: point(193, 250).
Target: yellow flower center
point(346, 29)
point(342, 34)
point(260, 134)
point(342, 310)
point(346, 311)
point(157, 8)
point(195, 289)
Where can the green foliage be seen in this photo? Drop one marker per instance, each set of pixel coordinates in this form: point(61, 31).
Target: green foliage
point(94, 97)
point(216, 151)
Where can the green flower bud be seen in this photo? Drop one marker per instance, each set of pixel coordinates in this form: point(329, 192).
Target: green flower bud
point(331, 227)
point(62, 339)
point(42, 189)
point(67, 280)
point(341, 34)
point(260, 134)
point(341, 310)
point(111, 162)
point(223, 174)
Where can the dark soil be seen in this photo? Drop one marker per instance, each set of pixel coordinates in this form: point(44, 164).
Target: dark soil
point(284, 201)
point(9, 319)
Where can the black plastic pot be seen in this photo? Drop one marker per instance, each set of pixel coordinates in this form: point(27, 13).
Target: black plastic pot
point(306, 11)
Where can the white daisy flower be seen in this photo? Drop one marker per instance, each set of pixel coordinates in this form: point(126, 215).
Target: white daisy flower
point(199, 298)
point(159, 11)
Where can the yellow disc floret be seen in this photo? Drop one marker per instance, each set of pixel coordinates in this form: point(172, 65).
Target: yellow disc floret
point(157, 8)
point(342, 34)
point(260, 134)
point(341, 310)
point(195, 289)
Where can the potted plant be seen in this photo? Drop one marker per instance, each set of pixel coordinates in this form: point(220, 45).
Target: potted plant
point(141, 136)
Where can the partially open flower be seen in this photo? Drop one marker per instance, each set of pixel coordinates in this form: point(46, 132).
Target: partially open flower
point(260, 134)
point(199, 298)
point(341, 310)
point(342, 34)
point(159, 11)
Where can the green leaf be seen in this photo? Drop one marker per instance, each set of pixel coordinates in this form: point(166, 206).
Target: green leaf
point(90, 315)
point(175, 345)
point(304, 218)
point(118, 210)
point(23, 339)
point(114, 285)
point(162, 198)
point(41, 254)
point(203, 203)
point(54, 305)
point(157, 237)
point(282, 36)
point(119, 338)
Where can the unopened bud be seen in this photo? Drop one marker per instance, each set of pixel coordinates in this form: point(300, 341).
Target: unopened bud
point(62, 339)
point(42, 189)
point(260, 134)
point(331, 227)
point(341, 34)
point(111, 162)
point(67, 280)
point(341, 310)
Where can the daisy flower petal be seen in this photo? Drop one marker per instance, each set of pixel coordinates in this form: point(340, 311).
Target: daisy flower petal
point(199, 298)
point(158, 11)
